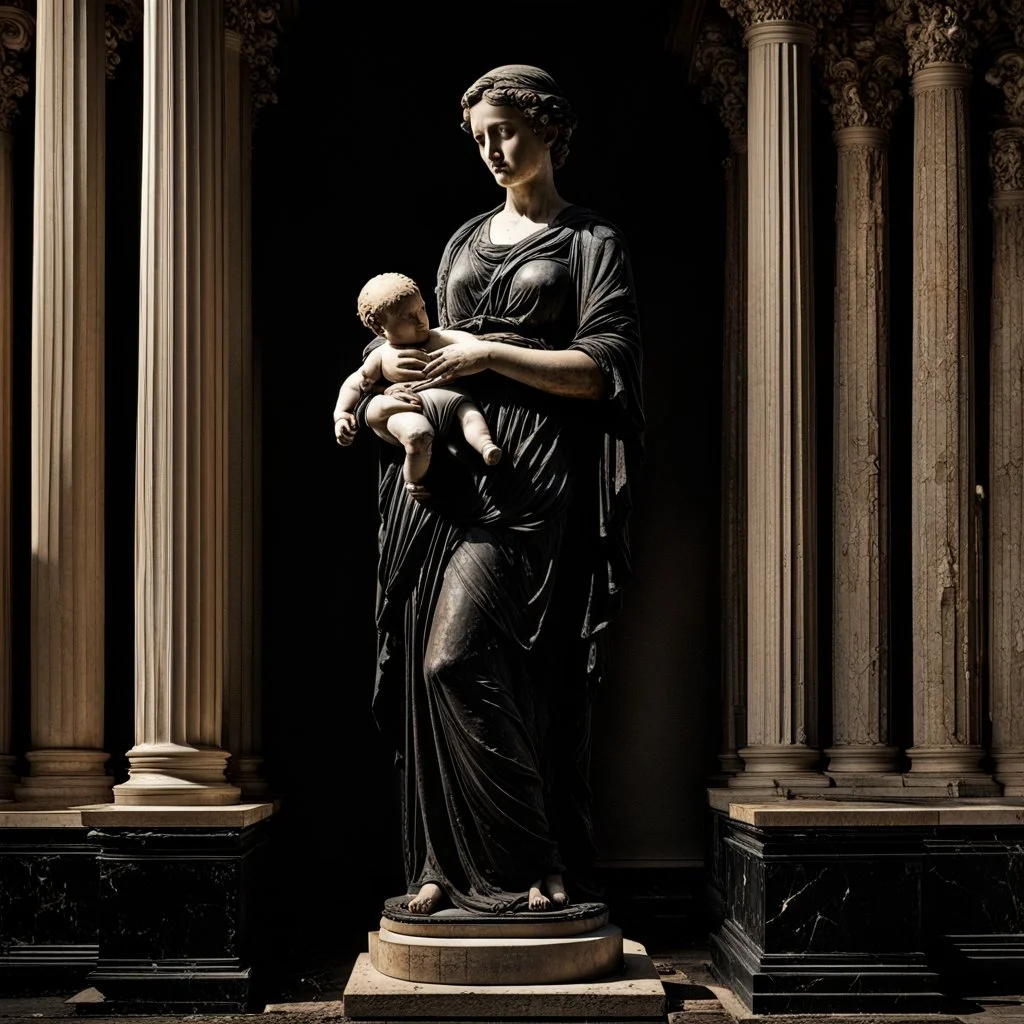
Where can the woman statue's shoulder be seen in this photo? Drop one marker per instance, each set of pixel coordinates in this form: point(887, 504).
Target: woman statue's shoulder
point(588, 221)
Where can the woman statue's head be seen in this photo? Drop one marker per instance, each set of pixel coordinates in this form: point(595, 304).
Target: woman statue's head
point(537, 98)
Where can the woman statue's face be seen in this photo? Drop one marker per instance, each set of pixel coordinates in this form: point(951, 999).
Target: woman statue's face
point(511, 149)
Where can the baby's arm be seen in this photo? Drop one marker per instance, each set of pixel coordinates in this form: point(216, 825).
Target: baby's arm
point(352, 390)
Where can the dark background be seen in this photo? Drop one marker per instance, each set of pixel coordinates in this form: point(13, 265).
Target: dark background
point(361, 167)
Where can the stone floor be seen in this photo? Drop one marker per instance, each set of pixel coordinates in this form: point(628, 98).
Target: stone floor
point(313, 996)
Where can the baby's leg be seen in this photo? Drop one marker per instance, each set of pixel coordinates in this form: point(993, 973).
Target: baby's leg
point(477, 433)
point(416, 435)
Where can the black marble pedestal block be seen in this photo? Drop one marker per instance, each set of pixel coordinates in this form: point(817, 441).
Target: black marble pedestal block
point(179, 922)
point(867, 918)
point(48, 909)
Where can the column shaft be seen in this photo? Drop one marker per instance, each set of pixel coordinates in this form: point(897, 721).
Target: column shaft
point(1006, 477)
point(242, 725)
point(781, 610)
point(181, 474)
point(947, 691)
point(860, 596)
point(7, 777)
point(734, 467)
point(67, 760)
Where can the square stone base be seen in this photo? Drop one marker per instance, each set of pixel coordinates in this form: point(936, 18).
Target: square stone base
point(635, 994)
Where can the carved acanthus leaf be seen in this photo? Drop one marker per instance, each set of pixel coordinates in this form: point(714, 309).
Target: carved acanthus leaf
point(258, 22)
point(1007, 74)
point(1006, 158)
point(720, 67)
point(16, 28)
point(861, 67)
point(941, 32)
point(810, 12)
point(123, 20)
point(1012, 12)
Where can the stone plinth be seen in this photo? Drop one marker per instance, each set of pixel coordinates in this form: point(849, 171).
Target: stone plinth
point(634, 993)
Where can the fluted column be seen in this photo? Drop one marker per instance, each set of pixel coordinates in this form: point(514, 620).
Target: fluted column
point(722, 67)
point(944, 555)
point(862, 103)
point(242, 705)
point(1006, 437)
point(16, 27)
point(67, 760)
point(781, 557)
point(181, 463)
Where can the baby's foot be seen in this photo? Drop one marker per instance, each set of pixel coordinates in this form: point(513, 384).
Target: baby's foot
point(537, 900)
point(556, 890)
point(491, 454)
point(427, 899)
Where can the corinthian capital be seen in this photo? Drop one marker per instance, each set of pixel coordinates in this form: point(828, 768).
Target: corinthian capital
point(809, 12)
point(1006, 158)
point(16, 27)
point(1007, 74)
point(123, 19)
point(720, 68)
point(861, 66)
point(258, 22)
point(941, 32)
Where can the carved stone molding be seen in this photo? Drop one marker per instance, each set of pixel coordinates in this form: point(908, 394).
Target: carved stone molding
point(720, 67)
point(258, 22)
point(1006, 158)
point(16, 29)
point(1007, 74)
point(941, 31)
point(861, 74)
point(123, 20)
point(810, 12)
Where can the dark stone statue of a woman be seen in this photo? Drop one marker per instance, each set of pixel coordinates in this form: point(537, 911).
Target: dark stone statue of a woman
point(496, 582)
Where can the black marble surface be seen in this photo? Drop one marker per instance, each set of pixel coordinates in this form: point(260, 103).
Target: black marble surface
point(868, 919)
point(48, 909)
point(178, 919)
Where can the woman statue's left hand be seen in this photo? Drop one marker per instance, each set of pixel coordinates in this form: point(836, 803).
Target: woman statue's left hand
point(454, 361)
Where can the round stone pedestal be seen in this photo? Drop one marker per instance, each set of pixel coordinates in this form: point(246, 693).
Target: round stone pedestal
point(455, 947)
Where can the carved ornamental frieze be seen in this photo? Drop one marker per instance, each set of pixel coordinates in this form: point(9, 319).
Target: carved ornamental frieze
point(123, 20)
point(1006, 159)
point(946, 32)
point(720, 68)
point(258, 22)
point(862, 62)
point(809, 12)
point(17, 25)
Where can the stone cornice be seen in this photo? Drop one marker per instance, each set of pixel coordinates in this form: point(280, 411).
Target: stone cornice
point(861, 66)
point(940, 31)
point(17, 26)
point(1007, 75)
point(258, 22)
point(809, 12)
point(1006, 159)
point(123, 18)
point(720, 68)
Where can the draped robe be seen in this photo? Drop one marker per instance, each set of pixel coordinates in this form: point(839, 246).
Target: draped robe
point(490, 716)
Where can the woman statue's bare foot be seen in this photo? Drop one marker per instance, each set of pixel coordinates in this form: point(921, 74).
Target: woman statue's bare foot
point(556, 890)
point(538, 901)
point(491, 454)
point(427, 899)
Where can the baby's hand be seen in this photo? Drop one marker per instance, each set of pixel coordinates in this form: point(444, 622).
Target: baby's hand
point(345, 428)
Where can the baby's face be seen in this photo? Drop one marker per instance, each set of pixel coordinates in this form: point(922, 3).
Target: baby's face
point(407, 324)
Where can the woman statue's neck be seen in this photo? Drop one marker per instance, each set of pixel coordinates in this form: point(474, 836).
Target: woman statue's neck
point(538, 202)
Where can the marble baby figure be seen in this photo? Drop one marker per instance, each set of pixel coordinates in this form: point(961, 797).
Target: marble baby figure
point(392, 306)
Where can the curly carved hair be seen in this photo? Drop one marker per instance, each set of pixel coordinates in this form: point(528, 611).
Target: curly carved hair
point(534, 93)
point(381, 295)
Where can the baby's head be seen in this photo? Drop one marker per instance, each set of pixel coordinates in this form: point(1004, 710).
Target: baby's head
point(391, 305)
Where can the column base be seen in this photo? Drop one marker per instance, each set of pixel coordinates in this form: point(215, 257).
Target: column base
point(66, 776)
point(1009, 769)
point(246, 776)
point(948, 771)
point(170, 774)
point(8, 780)
point(861, 758)
point(779, 767)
